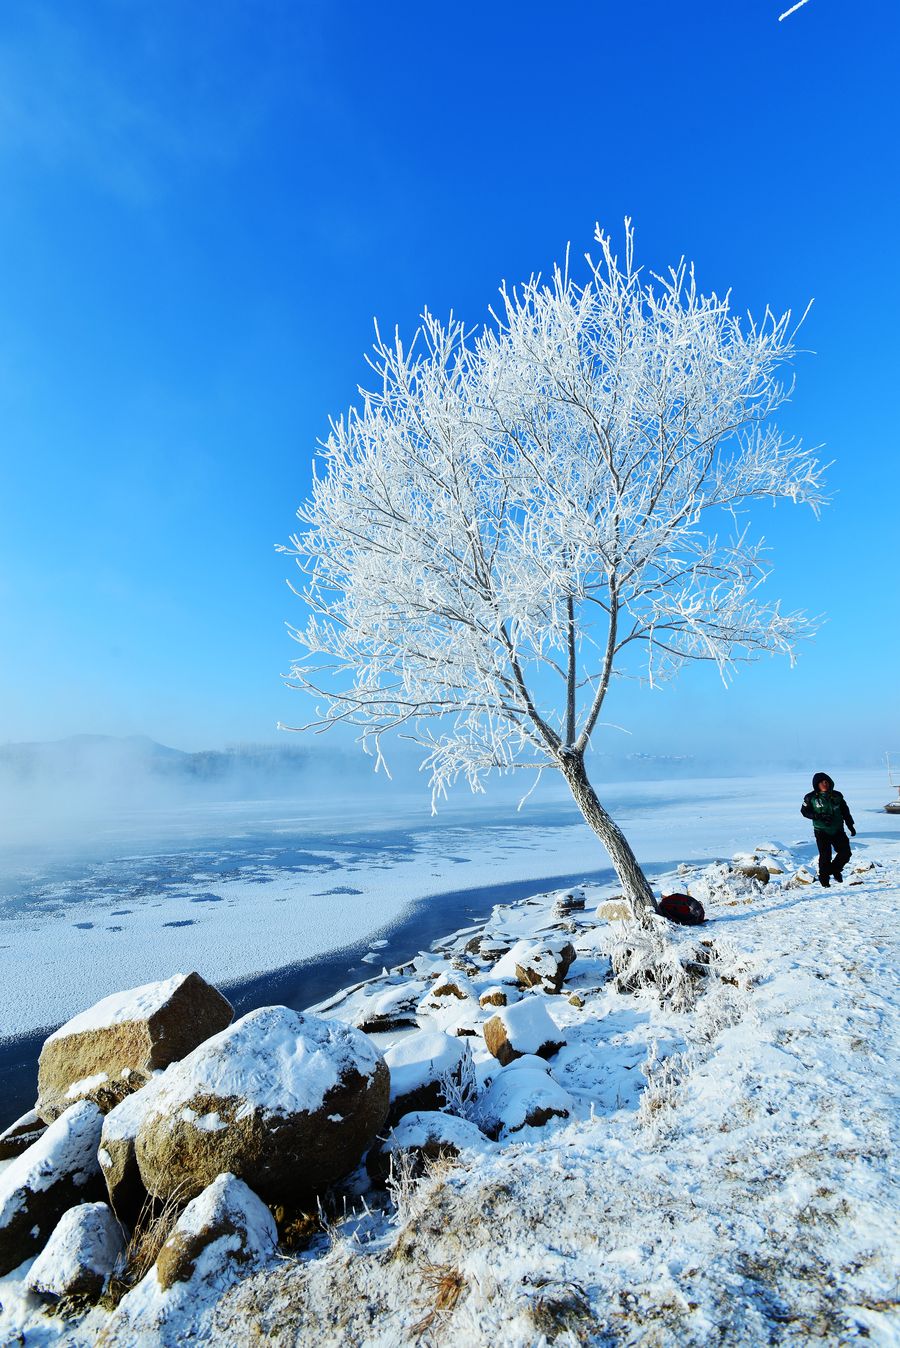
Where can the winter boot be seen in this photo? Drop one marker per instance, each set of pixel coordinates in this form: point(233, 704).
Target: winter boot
point(837, 877)
point(824, 881)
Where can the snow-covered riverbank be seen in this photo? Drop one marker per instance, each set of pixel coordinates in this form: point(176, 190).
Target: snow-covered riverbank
point(725, 1174)
point(746, 1196)
point(237, 895)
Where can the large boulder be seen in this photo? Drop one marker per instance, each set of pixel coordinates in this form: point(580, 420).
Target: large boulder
point(57, 1171)
point(424, 1067)
point(111, 1049)
point(20, 1135)
point(117, 1155)
point(524, 1027)
point(81, 1256)
point(285, 1101)
point(222, 1235)
point(543, 963)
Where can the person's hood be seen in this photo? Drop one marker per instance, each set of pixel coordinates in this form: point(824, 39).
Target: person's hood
point(822, 777)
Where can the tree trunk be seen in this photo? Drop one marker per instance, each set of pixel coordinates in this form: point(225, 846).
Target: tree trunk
point(635, 885)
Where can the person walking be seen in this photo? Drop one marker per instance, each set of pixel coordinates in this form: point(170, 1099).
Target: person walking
point(829, 813)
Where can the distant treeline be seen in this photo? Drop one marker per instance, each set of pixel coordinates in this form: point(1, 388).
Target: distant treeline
point(90, 755)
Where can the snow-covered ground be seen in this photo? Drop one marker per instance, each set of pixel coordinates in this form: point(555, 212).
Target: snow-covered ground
point(265, 888)
point(746, 1195)
point(727, 1174)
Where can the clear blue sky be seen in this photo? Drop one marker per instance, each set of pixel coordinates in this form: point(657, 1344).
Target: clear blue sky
point(203, 206)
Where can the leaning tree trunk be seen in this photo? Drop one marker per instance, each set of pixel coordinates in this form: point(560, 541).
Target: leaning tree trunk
point(632, 879)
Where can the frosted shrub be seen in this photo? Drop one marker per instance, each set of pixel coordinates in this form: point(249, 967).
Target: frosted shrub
point(643, 958)
point(460, 1090)
point(659, 1097)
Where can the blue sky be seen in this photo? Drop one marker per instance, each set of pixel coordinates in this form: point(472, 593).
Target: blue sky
point(202, 207)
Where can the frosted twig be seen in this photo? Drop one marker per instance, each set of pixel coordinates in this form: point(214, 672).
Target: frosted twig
point(793, 9)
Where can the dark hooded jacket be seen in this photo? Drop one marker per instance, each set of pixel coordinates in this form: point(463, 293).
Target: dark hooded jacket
point(827, 809)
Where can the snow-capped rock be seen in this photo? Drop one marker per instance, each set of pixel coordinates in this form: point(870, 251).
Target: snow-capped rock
point(286, 1101)
point(524, 1027)
point(523, 1095)
point(573, 901)
point(495, 995)
point(111, 1049)
point(422, 1066)
point(494, 946)
point(445, 998)
point(223, 1234)
point(81, 1254)
point(20, 1135)
point(427, 1136)
point(542, 963)
point(57, 1171)
point(391, 1009)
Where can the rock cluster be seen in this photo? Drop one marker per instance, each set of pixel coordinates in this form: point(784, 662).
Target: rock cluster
point(223, 1234)
point(152, 1101)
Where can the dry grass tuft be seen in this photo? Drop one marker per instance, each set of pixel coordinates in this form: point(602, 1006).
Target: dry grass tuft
point(297, 1226)
point(563, 1308)
point(443, 1286)
point(151, 1231)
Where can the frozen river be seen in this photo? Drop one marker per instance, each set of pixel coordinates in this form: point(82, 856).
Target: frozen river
point(244, 892)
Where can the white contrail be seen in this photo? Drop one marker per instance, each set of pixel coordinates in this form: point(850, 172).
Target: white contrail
point(788, 12)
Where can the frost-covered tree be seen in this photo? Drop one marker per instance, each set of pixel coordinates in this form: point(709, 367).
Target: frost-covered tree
point(517, 515)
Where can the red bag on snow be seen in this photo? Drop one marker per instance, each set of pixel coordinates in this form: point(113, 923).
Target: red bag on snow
point(682, 908)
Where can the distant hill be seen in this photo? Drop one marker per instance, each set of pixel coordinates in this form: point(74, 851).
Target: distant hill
point(136, 758)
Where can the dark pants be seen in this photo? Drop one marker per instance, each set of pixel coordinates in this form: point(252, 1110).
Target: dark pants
point(841, 844)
